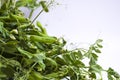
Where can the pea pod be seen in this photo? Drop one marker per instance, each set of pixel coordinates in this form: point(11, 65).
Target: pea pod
point(39, 45)
point(60, 60)
point(43, 30)
point(43, 39)
point(37, 32)
point(19, 18)
point(28, 54)
point(51, 62)
point(35, 76)
point(44, 6)
point(4, 17)
point(24, 26)
point(14, 31)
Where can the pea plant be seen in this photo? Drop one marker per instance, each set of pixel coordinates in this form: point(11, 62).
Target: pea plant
point(28, 52)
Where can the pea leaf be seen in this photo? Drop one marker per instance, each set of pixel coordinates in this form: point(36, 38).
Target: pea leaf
point(99, 45)
point(99, 41)
point(96, 68)
point(38, 58)
point(112, 74)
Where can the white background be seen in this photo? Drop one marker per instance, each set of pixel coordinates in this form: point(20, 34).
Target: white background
point(84, 21)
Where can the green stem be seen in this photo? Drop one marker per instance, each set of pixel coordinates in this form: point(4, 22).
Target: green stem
point(31, 12)
point(40, 13)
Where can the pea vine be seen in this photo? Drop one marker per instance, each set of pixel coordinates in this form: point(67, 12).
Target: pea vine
point(28, 52)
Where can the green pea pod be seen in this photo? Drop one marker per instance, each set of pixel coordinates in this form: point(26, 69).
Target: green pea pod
point(60, 60)
point(40, 34)
point(43, 30)
point(24, 26)
point(35, 32)
point(43, 39)
point(19, 18)
point(4, 17)
point(44, 6)
point(51, 62)
point(39, 45)
point(28, 54)
point(35, 76)
point(14, 31)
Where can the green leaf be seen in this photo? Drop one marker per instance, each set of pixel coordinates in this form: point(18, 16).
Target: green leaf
point(96, 68)
point(111, 73)
point(67, 58)
point(29, 53)
point(92, 61)
point(99, 41)
point(88, 54)
point(97, 51)
point(93, 75)
point(79, 63)
point(99, 45)
point(73, 56)
point(94, 56)
point(38, 58)
point(77, 54)
point(110, 77)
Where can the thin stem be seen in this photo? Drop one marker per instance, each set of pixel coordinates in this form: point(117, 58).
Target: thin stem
point(31, 12)
point(37, 16)
point(40, 13)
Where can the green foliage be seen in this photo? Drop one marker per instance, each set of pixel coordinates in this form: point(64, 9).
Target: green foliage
point(27, 52)
point(112, 75)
